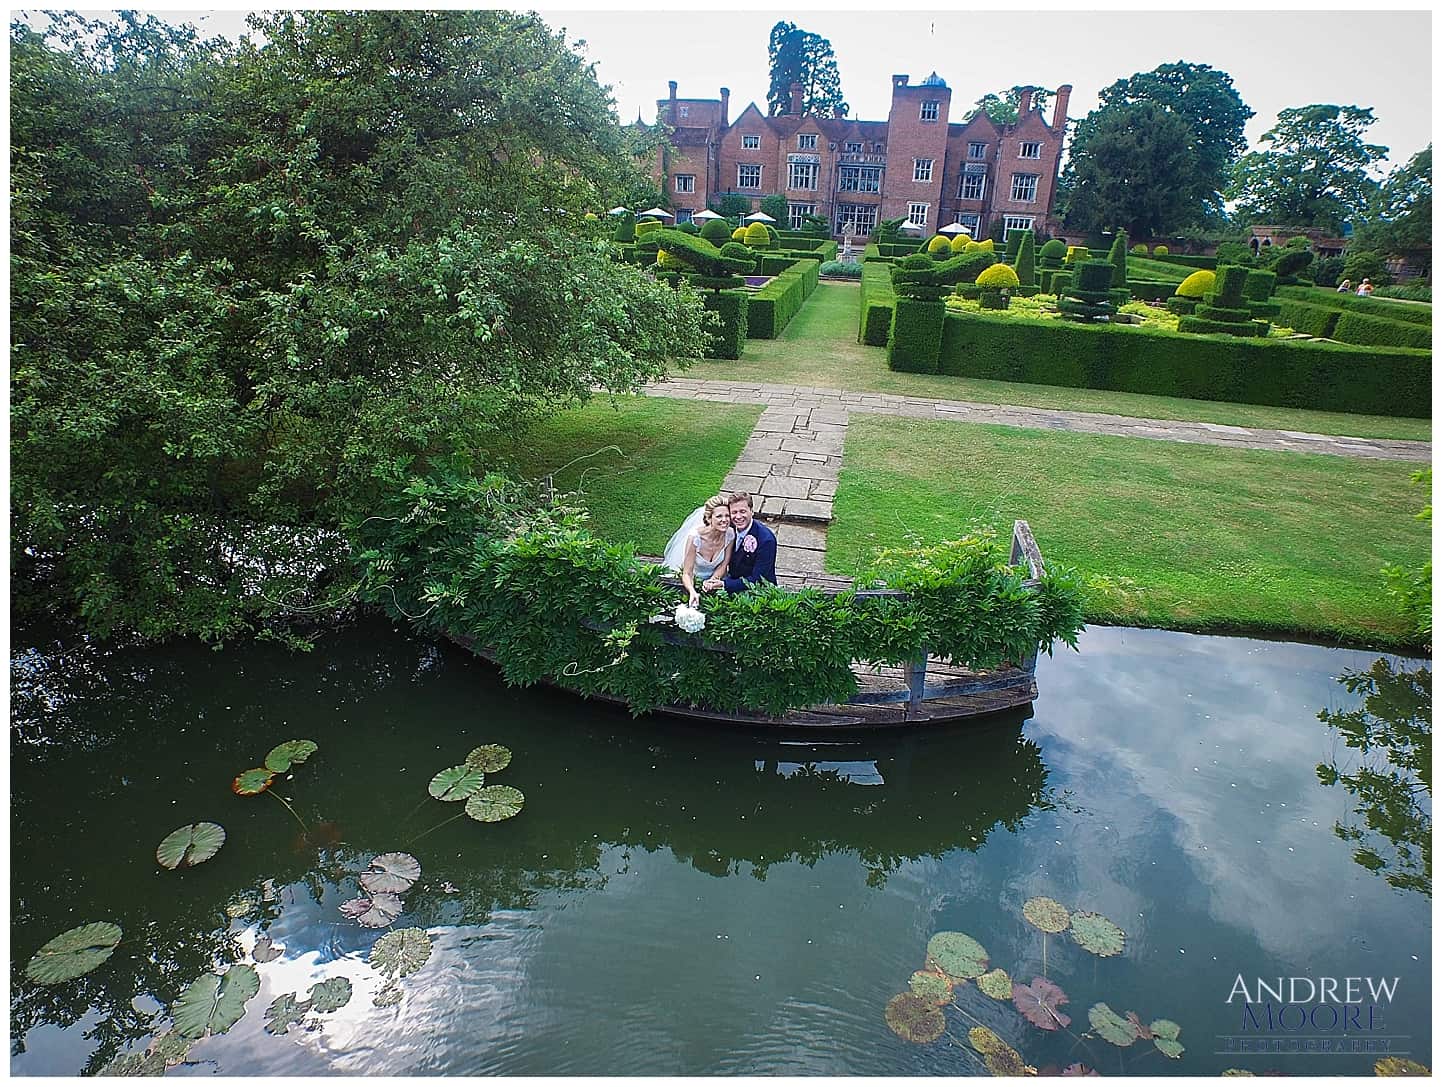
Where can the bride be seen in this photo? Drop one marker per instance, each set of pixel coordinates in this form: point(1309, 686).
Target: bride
point(701, 547)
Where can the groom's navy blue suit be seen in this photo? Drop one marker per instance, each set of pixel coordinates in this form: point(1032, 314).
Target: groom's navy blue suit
point(750, 568)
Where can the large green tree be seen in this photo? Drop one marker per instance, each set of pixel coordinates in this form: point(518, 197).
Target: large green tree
point(1215, 116)
point(252, 285)
point(1122, 178)
point(799, 56)
point(1399, 218)
point(1314, 170)
point(1002, 108)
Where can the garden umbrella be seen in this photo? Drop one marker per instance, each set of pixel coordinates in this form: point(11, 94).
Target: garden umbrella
point(758, 217)
point(657, 213)
point(909, 225)
point(954, 228)
point(702, 216)
point(619, 211)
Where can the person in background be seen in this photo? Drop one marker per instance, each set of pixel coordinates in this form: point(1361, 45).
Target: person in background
point(1345, 287)
point(1365, 289)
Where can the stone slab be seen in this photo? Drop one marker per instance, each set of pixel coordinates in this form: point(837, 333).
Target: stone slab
point(782, 487)
point(805, 470)
point(750, 484)
point(808, 509)
point(800, 560)
point(805, 537)
point(772, 507)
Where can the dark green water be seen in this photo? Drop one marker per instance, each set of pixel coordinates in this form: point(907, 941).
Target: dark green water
point(675, 900)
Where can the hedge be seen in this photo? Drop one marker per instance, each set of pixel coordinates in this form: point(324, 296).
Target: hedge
point(1363, 328)
point(823, 251)
point(730, 338)
point(1301, 316)
point(772, 307)
point(1376, 307)
point(899, 249)
point(878, 300)
point(1124, 358)
point(1209, 263)
point(916, 329)
point(1151, 290)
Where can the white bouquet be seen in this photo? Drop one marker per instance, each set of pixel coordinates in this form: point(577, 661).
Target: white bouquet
point(690, 619)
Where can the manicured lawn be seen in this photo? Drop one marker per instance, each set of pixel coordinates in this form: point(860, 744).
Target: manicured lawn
point(819, 348)
point(670, 456)
point(1184, 536)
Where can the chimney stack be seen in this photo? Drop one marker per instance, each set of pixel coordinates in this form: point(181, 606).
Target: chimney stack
point(725, 105)
point(675, 116)
point(1058, 116)
point(796, 99)
point(1024, 106)
point(900, 80)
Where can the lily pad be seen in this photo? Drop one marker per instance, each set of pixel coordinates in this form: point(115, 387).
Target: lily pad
point(995, 984)
point(489, 758)
point(252, 782)
point(402, 952)
point(931, 986)
point(190, 845)
point(494, 803)
point(291, 753)
point(1144, 1032)
point(391, 873)
point(283, 1011)
point(915, 1019)
point(330, 995)
point(456, 783)
point(388, 996)
point(1400, 1066)
point(265, 951)
point(957, 954)
point(1047, 914)
point(1000, 1058)
point(377, 911)
point(1165, 1028)
point(1170, 1047)
point(73, 953)
point(1040, 1002)
point(212, 1004)
point(1097, 935)
point(1110, 1026)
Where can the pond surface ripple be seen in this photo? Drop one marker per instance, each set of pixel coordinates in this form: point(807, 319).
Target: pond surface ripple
point(681, 900)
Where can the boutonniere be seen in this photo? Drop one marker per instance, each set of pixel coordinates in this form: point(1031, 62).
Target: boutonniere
point(748, 545)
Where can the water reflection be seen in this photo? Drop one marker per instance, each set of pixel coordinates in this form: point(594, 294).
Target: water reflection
point(1390, 775)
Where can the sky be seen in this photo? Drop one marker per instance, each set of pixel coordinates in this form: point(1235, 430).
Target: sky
point(1277, 59)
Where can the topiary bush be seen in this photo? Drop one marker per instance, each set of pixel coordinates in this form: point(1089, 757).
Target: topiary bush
point(995, 299)
point(716, 231)
point(959, 243)
point(841, 269)
point(757, 237)
point(739, 234)
point(1225, 308)
point(1161, 251)
point(998, 277)
point(626, 229)
point(1075, 254)
point(1026, 261)
point(939, 244)
point(646, 226)
point(1013, 245)
point(1197, 285)
point(1053, 254)
point(1290, 262)
point(915, 341)
point(1118, 259)
point(729, 338)
point(1139, 250)
point(987, 246)
point(1090, 299)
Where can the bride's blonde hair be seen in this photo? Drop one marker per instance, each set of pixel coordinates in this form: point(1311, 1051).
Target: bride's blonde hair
point(711, 503)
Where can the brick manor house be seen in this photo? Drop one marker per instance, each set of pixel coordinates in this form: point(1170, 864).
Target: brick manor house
point(916, 164)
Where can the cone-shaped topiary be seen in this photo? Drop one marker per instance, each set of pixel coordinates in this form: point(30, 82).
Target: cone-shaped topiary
point(1013, 245)
point(1026, 261)
point(1053, 253)
point(756, 236)
point(1197, 285)
point(716, 231)
point(1118, 258)
point(998, 276)
point(939, 244)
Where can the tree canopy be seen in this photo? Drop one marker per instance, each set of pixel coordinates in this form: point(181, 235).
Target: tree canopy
point(1214, 116)
point(253, 285)
point(1399, 217)
point(799, 56)
point(1315, 169)
point(1002, 108)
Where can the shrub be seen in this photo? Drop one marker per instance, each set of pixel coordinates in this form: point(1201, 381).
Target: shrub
point(1118, 259)
point(730, 307)
point(816, 224)
point(878, 300)
point(1356, 327)
point(998, 276)
point(757, 237)
point(1053, 253)
point(959, 243)
point(645, 226)
point(1259, 285)
point(1091, 297)
point(772, 234)
point(1139, 249)
point(1197, 285)
point(1377, 307)
point(841, 269)
point(995, 299)
point(1290, 261)
point(1013, 245)
point(1161, 251)
point(1412, 292)
point(774, 206)
point(772, 307)
point(1365, 265)
point(1235, 253)
point(1026, 261)
point(1285, 373)
point(915, 343)
point(716, 231)
point(1151, 290)
point(739, 234)
point(688, 228)
point(1327, 272)
point(987, 246)
point(626, 229)
point(1075, 254)
point(939, 244)
point(1061, 282)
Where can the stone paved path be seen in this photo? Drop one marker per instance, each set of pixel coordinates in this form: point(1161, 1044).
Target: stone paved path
point(802, 423)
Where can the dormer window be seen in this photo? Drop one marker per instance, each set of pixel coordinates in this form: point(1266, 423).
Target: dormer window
point(930, 111)
point(975, 150)
point(806, 141)
point(1030, 150)
point(853, 147)
point(751, 143)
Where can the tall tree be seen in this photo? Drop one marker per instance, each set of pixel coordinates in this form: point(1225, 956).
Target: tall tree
point(1400, 217)
point(1215, 115)
point(1126, 175)
point(1314, 169)
point(1002, 108)
point(799, 56)
point(253, 285)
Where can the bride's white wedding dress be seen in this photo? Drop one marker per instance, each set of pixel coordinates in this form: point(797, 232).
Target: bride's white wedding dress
point(675, 554)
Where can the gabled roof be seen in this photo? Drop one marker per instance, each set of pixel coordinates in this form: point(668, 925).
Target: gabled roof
point(1031, 122)
point(981, 126)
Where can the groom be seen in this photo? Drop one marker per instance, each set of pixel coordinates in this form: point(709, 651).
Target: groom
point(754, 558)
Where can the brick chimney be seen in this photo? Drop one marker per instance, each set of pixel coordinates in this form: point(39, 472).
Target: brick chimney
point(900, 80)
point(1023, 107)
point(1058, 116)
point(673, 119)
point(796, 99)
point(725, 105)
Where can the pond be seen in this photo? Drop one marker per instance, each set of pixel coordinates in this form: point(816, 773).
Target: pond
point(682, 900)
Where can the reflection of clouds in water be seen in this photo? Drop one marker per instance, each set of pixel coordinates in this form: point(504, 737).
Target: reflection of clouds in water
point(1219, 740)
